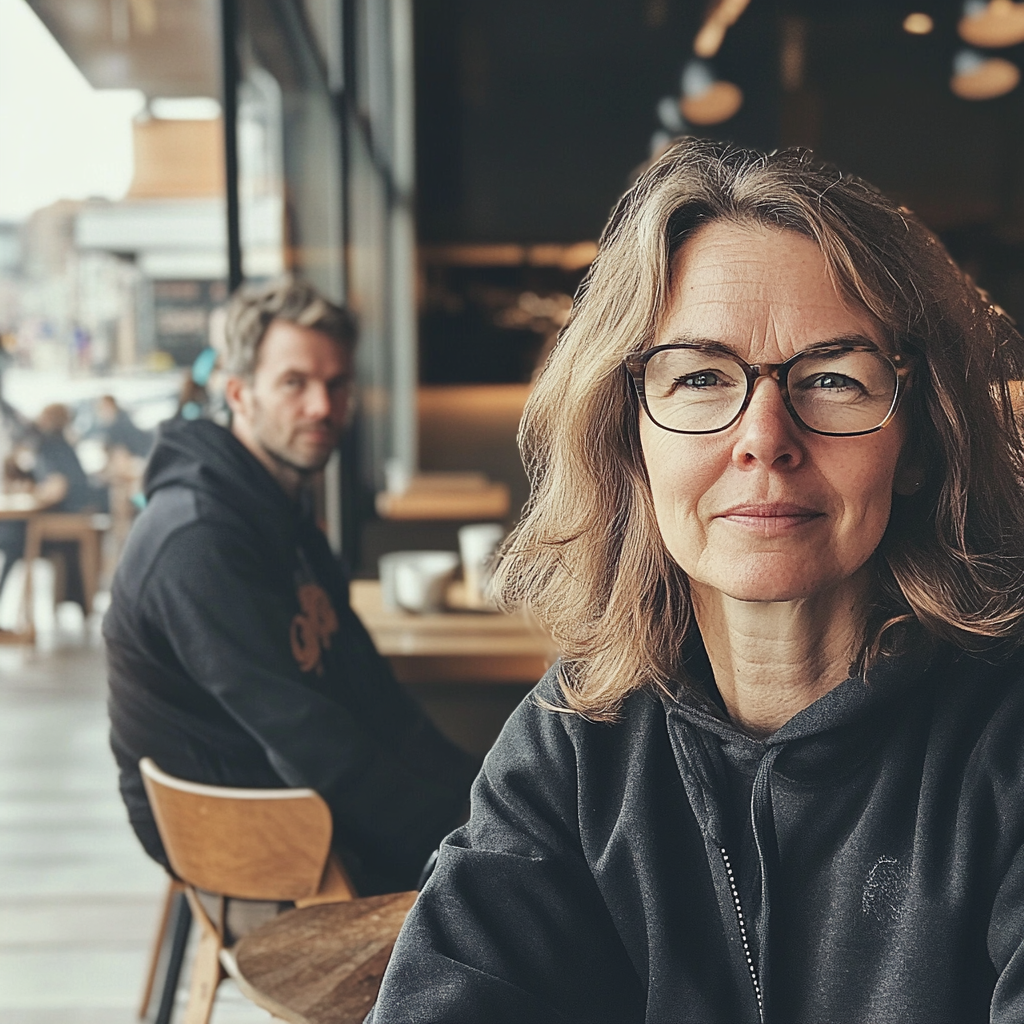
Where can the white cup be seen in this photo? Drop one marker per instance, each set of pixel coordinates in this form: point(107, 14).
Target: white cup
point(478, 543)
point(386, 566)
point(396, 476)
point(419, 579)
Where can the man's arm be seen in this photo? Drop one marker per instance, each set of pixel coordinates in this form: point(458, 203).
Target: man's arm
point(229, 626)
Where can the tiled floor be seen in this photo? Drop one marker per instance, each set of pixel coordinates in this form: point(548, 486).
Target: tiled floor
point(78, 898)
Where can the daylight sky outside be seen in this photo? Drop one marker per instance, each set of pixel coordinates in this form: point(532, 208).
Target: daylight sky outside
point(59, 137)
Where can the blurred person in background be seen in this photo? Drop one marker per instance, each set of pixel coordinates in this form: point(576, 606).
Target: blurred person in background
point(126, 446)
point(56, 479)
point(775, 529)
point(196, 398)
point(117, 429)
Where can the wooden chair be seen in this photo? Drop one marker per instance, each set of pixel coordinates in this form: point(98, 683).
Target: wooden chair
point(248, 844)
point(86, 528)
point(171, 937)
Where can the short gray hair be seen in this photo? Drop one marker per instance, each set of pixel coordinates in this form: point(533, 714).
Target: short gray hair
point(254, 308)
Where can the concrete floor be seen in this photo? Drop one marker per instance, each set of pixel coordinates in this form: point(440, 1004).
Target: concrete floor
point(78, 897)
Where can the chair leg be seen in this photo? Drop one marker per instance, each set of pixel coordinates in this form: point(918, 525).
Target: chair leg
point(159, 944)
point(89, 566)
point(176, 957)
point(207, 973)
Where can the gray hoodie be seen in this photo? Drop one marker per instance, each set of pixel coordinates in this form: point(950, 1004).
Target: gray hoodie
point(863, 864)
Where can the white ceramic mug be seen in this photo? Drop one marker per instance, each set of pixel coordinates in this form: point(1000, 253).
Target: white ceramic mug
point(418, 579)
point(386, 566)
point(478, 543)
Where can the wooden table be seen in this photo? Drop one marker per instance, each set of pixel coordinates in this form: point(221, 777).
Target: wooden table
point(323, 964)
point(465, 496)
point(42, 524)
point(454, 647)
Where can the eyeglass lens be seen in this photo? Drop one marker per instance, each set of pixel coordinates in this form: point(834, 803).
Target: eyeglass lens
point(839, 392)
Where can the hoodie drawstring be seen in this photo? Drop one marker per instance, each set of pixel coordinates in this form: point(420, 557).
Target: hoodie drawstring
point(762, 820)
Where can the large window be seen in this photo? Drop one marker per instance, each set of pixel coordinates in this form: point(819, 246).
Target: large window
point(290, 184)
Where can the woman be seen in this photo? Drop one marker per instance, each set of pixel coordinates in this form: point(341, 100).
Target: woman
point(776, 526)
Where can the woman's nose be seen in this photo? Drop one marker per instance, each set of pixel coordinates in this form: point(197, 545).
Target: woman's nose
point(767, 433)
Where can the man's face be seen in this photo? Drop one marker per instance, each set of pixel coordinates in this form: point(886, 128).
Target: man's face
point(291, 414)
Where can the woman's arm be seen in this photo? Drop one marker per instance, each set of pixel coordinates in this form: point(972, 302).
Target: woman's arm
point(511, 926)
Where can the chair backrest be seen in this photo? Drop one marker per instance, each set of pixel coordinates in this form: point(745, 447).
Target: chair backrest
point(256, 844)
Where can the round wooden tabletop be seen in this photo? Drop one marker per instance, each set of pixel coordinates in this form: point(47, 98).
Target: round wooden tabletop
point(322, 964)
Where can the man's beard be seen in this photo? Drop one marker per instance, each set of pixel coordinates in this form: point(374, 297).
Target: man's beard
point(259, 420)
point(283, 460)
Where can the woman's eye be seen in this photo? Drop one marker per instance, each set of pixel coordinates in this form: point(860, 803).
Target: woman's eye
point(832, 382)
point(704, 379)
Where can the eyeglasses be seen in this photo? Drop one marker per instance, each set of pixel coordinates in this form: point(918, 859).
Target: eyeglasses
point(841, 390)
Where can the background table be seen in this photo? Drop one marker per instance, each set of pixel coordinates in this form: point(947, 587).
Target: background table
point(457, 646)
point(469, 670)
point(323, 964)
point(42, 524)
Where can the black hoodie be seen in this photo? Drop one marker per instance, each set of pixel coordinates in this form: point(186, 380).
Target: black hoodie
point(863, 864)
point(235, 659)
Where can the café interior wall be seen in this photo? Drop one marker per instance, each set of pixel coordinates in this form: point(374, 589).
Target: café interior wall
point(531, 117)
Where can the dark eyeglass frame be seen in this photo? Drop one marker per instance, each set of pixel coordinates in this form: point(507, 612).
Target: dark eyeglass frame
point(636, 366)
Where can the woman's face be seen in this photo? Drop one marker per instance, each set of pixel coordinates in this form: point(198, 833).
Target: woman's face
point(765, 510)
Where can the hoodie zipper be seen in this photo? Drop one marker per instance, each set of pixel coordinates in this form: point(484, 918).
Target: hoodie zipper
point(741, 921)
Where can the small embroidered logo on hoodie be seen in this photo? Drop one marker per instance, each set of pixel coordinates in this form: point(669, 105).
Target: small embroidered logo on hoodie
point(312, 628)
point(884, 890)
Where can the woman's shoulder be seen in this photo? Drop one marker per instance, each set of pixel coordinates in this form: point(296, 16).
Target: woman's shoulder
point(997, 670)
point(547, 703)
point(975, 701)
point(543, 728)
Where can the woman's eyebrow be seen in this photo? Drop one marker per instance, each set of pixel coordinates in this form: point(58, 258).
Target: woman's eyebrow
point(825, 345)
point(705, 344)
point(843, 341)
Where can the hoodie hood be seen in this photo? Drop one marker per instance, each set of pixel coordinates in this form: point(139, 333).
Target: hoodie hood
point(202, 456)
point(852, 703)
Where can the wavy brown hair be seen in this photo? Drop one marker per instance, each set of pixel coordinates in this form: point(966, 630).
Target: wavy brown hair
point(588, 559)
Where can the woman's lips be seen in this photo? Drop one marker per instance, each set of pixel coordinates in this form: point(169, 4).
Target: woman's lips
point(770, 517)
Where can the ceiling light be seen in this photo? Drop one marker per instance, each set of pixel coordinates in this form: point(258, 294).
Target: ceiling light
point(724, 14)
point(918, 23)
point(995, 24)
point(982, 78)
point(706, 100)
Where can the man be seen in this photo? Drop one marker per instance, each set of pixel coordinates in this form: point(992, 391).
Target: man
point(234, 657)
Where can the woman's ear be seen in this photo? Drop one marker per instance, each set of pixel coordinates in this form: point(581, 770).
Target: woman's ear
point(909, 477)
